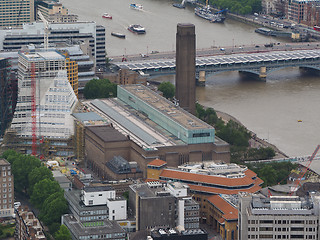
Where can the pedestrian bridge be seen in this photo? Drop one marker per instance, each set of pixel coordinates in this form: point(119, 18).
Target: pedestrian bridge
point(259, 63)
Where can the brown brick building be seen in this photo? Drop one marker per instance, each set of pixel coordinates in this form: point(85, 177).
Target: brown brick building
point(102, 143)
point(6, 189)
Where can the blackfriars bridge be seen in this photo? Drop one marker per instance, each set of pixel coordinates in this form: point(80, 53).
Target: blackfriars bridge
point(258, 63)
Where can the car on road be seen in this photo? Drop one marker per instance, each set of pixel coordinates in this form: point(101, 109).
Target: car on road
point(222, 49)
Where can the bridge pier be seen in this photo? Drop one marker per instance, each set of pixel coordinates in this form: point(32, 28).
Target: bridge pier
point(201, 81)
point(263, 74)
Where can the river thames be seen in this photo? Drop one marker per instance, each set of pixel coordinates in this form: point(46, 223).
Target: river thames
point(284, 110)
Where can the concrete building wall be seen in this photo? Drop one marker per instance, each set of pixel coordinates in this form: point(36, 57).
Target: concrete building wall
point(14, 13)
point(117, 209)
point(185, 66)
point(156, 212)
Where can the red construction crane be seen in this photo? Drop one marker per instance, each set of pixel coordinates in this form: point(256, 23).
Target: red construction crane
point(304, 172)
point(33, 109)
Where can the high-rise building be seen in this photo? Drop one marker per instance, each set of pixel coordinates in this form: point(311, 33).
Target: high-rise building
point(54, 96)
point(278, 217)
point(72, 70)
point(186, 66)
point(13, 13)
point(6, 188)
point(7, 91)
point(90, 35)
point(54, 11)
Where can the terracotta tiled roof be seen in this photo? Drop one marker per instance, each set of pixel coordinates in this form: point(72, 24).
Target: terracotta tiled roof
point(201, 178)
point(213, 190)
point(250, 173)
point(221, 220)
point(229, 211)
point(157, 163)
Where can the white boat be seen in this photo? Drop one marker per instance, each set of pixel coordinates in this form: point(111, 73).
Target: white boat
point(136, 6)
point(136, 28)
point(107, 15)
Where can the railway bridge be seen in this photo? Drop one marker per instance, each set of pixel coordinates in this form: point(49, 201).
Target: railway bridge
point(260, 63)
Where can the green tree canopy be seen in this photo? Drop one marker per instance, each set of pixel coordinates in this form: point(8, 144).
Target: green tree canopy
point(168, 89)
point(21, 168)
point(100, 88)
point(42, 190)
point(238, 6)
point(273, 173)
point(38, 174)
point(53, 208)
point(62, 234)
point(11, 155)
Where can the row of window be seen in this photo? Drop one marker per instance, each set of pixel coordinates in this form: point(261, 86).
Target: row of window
point(266, 236)
point(284, 229)
point(282, 221)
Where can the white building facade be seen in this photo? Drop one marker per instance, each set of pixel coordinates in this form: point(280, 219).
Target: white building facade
point(73, 32)
point(54, 97)
point(278, 217)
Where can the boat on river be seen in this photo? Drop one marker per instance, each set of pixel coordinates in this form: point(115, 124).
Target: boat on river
point(119, 35)
point(204, 12)
point(136, 6)
point(180, 5)
point(136, 28)
point(107, 15)
point(218, 18)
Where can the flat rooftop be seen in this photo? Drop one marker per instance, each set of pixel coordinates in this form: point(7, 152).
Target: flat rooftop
point(86, 229)
point(128, 122)
point(43, 56)
point(166, 107)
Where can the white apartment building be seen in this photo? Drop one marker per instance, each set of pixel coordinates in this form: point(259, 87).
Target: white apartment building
point(13, 13)
point(92, 196)
point(95, 196)
point(72, 32)
point(278, 217)
point(54, 97)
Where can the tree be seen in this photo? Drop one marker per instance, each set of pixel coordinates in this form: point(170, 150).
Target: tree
point(53, 208)
point(42, 190)
point(38, 174)
point(168, 89)
point(62, 234)
point(21, 168)
point(100, 88)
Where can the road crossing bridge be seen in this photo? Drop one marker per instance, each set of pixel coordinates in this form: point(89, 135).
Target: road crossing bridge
point(259, 63)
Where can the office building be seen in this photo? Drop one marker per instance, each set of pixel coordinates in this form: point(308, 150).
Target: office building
point(205, 178)
point(186, 66)
point(152, 206)
point(278, 217)
point(7, 190)
point(54, 11)
point(103, 229)
point(54, 101)
point(88, 33)
point(158, 205)
point(94, 213)
point(13, 13)
point(7, 94)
